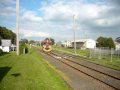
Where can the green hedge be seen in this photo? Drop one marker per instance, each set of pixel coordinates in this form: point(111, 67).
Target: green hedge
point(1, 52)
point(23, 48)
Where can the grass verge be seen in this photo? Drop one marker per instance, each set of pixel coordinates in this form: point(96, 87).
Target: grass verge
point(84, 54)
point(28, 72)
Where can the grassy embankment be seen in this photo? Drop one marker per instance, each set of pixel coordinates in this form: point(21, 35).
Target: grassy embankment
point(28, 72)
point(106, 61)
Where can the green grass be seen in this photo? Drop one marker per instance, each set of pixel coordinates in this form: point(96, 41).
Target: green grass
point(28, 72)
point(105, 61)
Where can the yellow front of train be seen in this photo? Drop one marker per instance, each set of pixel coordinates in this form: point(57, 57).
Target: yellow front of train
point(47, 47)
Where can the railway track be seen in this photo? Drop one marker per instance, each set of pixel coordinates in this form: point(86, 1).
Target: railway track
point(79, 57)
point(107, 79)
point(83, 61)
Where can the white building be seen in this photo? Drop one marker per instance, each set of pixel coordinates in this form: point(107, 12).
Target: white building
point(117, 45)
point(85, 44)
point(6, 45)
point(67, 44)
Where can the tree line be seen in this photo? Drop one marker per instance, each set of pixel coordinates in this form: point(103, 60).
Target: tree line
point(101, 41)
point(105, 42)
point(33, 41)
point(7, 34)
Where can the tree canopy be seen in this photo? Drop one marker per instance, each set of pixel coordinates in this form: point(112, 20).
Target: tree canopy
point(24, 41)
point(51, 39)
point(105, 42)
point(7, 34)
point(31, 42)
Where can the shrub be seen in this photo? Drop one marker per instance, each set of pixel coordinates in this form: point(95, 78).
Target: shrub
point(1, 52)
point(23, 48)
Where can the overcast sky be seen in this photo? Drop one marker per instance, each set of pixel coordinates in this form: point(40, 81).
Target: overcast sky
point(54, 18)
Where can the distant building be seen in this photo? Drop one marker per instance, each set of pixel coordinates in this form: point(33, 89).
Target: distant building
point(59, 44)
point(67, 44)
point(84, 44)
point(117, 45)
point(6, 45)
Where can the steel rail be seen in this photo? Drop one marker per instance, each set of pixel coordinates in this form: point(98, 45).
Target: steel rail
point(53, 55)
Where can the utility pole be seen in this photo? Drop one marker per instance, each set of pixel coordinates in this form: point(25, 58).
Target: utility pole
point(74, 34)
point(17, 26)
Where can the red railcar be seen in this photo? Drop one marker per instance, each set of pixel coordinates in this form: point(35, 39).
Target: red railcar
point(47, 45)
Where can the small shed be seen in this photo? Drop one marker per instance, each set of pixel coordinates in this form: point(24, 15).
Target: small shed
point(84, 44)
point(6, 45)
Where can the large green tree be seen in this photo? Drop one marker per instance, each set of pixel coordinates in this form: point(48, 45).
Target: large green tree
point(7, 34)
point(24, 41)
point(105, 42)
point(51, 39)
point(31, 42)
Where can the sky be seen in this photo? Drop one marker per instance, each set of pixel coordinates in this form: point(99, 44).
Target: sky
point(54, 18)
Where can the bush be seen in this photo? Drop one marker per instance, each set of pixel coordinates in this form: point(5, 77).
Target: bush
point(1, 52)
point(23, 48)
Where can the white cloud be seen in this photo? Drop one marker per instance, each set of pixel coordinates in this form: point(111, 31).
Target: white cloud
point(31, 33)
point(7, 1)
point(64, 11)
point(112, 21)
point(7, 8)
point(55, 18)
point(31, 16)
point(7, 11)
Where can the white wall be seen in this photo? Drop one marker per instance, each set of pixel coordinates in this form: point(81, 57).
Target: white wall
point(86, 43)
point(90, 44)
point(6, 49)
point(0, 47)
point(67, 44)
point(117, 46)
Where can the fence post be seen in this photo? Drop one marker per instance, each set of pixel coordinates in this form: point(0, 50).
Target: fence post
point(118, 54)
point(111, 54)
point(100, 53)
point(90, 54)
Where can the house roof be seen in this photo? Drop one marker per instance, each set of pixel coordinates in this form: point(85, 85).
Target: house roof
point(6, 42)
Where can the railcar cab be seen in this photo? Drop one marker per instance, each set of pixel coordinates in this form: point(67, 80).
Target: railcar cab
point(47, 45)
